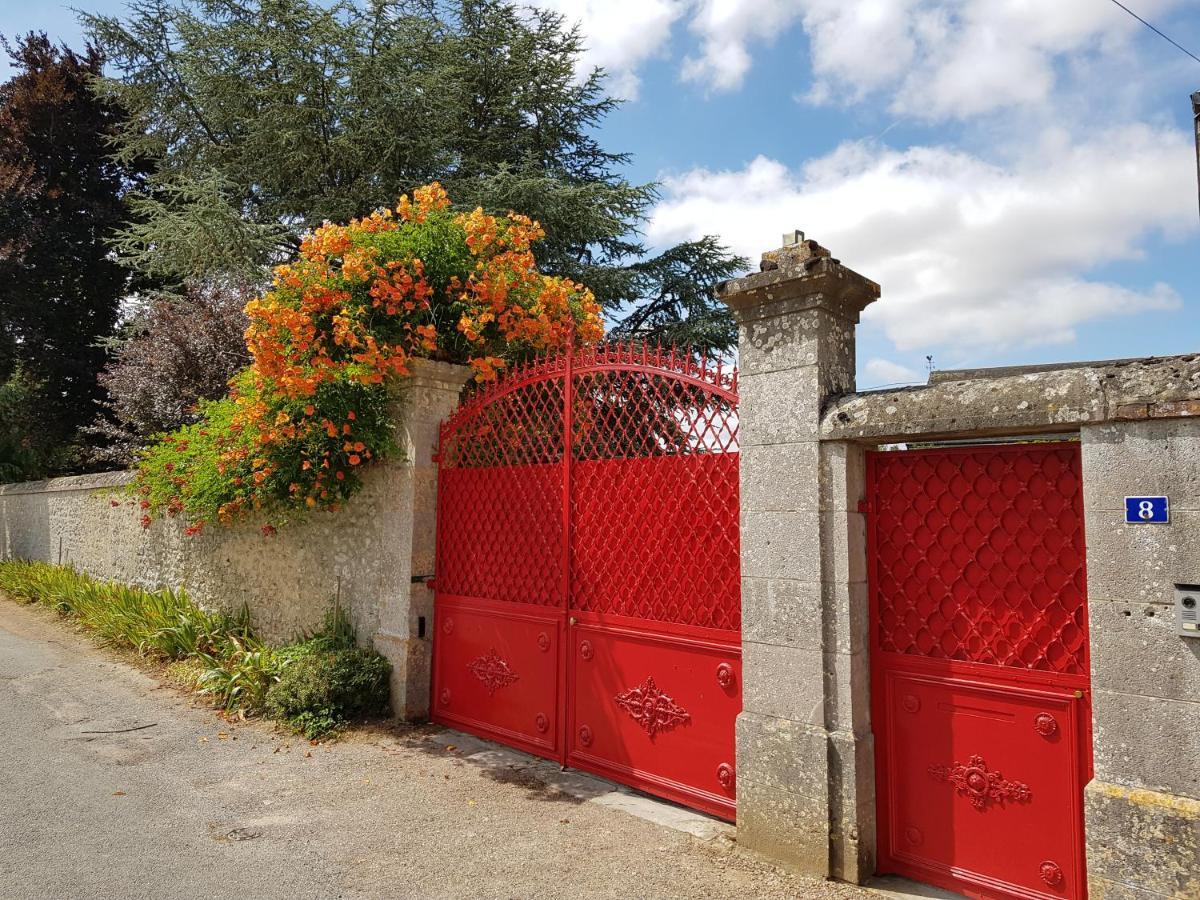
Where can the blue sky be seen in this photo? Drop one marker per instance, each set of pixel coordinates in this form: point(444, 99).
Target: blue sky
point(1020, 176)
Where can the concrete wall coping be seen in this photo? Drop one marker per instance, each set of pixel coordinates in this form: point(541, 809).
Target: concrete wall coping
point(1013, 402)
point(90, 482)
point(937, 376)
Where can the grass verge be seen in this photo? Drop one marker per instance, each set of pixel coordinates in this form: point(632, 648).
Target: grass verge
point(316, 685)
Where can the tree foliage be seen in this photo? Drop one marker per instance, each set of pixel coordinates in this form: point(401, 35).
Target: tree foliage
point(60, 202)
point(268, 117)
point(27, 445)
point(176, 351)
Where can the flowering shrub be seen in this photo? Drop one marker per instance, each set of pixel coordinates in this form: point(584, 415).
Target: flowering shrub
point(338, 327)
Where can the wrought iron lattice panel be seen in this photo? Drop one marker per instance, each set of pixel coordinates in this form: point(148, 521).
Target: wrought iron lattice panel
point(514, 422)
point(979, 556)
point(500, 527)
point(500, 533)
point(652, 489)
point(654, 500)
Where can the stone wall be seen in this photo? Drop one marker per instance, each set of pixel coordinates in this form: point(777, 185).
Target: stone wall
point(372, 557)
point(1143, 807)
point(805, 748)
point(288, 581)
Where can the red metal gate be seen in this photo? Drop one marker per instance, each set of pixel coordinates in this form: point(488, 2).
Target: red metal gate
point(981, 703)
point(587, 594)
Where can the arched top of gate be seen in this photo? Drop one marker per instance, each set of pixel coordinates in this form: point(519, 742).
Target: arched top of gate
point(615, 400)
point(713, 376)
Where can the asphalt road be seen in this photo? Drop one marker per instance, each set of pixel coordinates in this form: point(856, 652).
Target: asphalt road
point(195, 807)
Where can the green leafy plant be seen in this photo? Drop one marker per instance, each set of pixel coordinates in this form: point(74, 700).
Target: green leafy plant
point(320, 691)
point(240, 678)
point(164, 623)
point(494, 99)
point(315, 685)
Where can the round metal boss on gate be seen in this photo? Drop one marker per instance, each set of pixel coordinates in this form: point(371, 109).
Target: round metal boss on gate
point(585, 650)
point(910, 703)
point(725, 675)
point(725, 776)
point(448, 626)
point(585, 736)
point(913, 835)
point(445, 697)
point(1051, 873)
point(542, 722)
point(1045, 724)
point(543, 641)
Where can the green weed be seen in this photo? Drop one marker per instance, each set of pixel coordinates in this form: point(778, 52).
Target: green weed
point(316, 685)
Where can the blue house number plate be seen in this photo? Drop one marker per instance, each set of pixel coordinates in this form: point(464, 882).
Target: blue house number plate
point(1147, 510)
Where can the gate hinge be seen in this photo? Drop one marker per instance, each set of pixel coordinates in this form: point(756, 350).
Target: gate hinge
point(864, 506)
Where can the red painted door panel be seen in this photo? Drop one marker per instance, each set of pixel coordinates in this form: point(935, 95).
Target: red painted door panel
point(496, 673)
point(656, 711)
point(983, 783)
point(979, 655)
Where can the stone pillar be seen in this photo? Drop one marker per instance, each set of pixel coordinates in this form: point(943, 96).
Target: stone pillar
point(1142, 809)
point(805, 765)
point(428, 396)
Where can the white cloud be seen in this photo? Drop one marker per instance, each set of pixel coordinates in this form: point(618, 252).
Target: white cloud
point(885, 373)
point(931, 60)
point(951, 59)
point(968, 252)
point(861, 45)
point(726, 28)
point(620, 35)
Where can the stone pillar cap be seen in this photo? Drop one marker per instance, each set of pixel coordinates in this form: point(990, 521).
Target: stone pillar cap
point(799, 275)
point(424, 371)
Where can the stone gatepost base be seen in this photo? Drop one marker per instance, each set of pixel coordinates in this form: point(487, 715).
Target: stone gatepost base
point(1141, 843)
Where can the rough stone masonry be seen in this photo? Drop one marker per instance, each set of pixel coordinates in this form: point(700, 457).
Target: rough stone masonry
point(806, 778)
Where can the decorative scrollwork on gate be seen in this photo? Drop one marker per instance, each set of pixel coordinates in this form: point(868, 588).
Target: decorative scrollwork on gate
point(493, 671)
point(981, 786)
point(654, 710)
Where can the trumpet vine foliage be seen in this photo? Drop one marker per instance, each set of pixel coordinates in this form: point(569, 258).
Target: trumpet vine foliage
point(329, 341)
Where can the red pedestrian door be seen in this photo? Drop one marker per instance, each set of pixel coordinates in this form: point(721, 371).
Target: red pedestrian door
point(979, 648)
point(587, 592)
